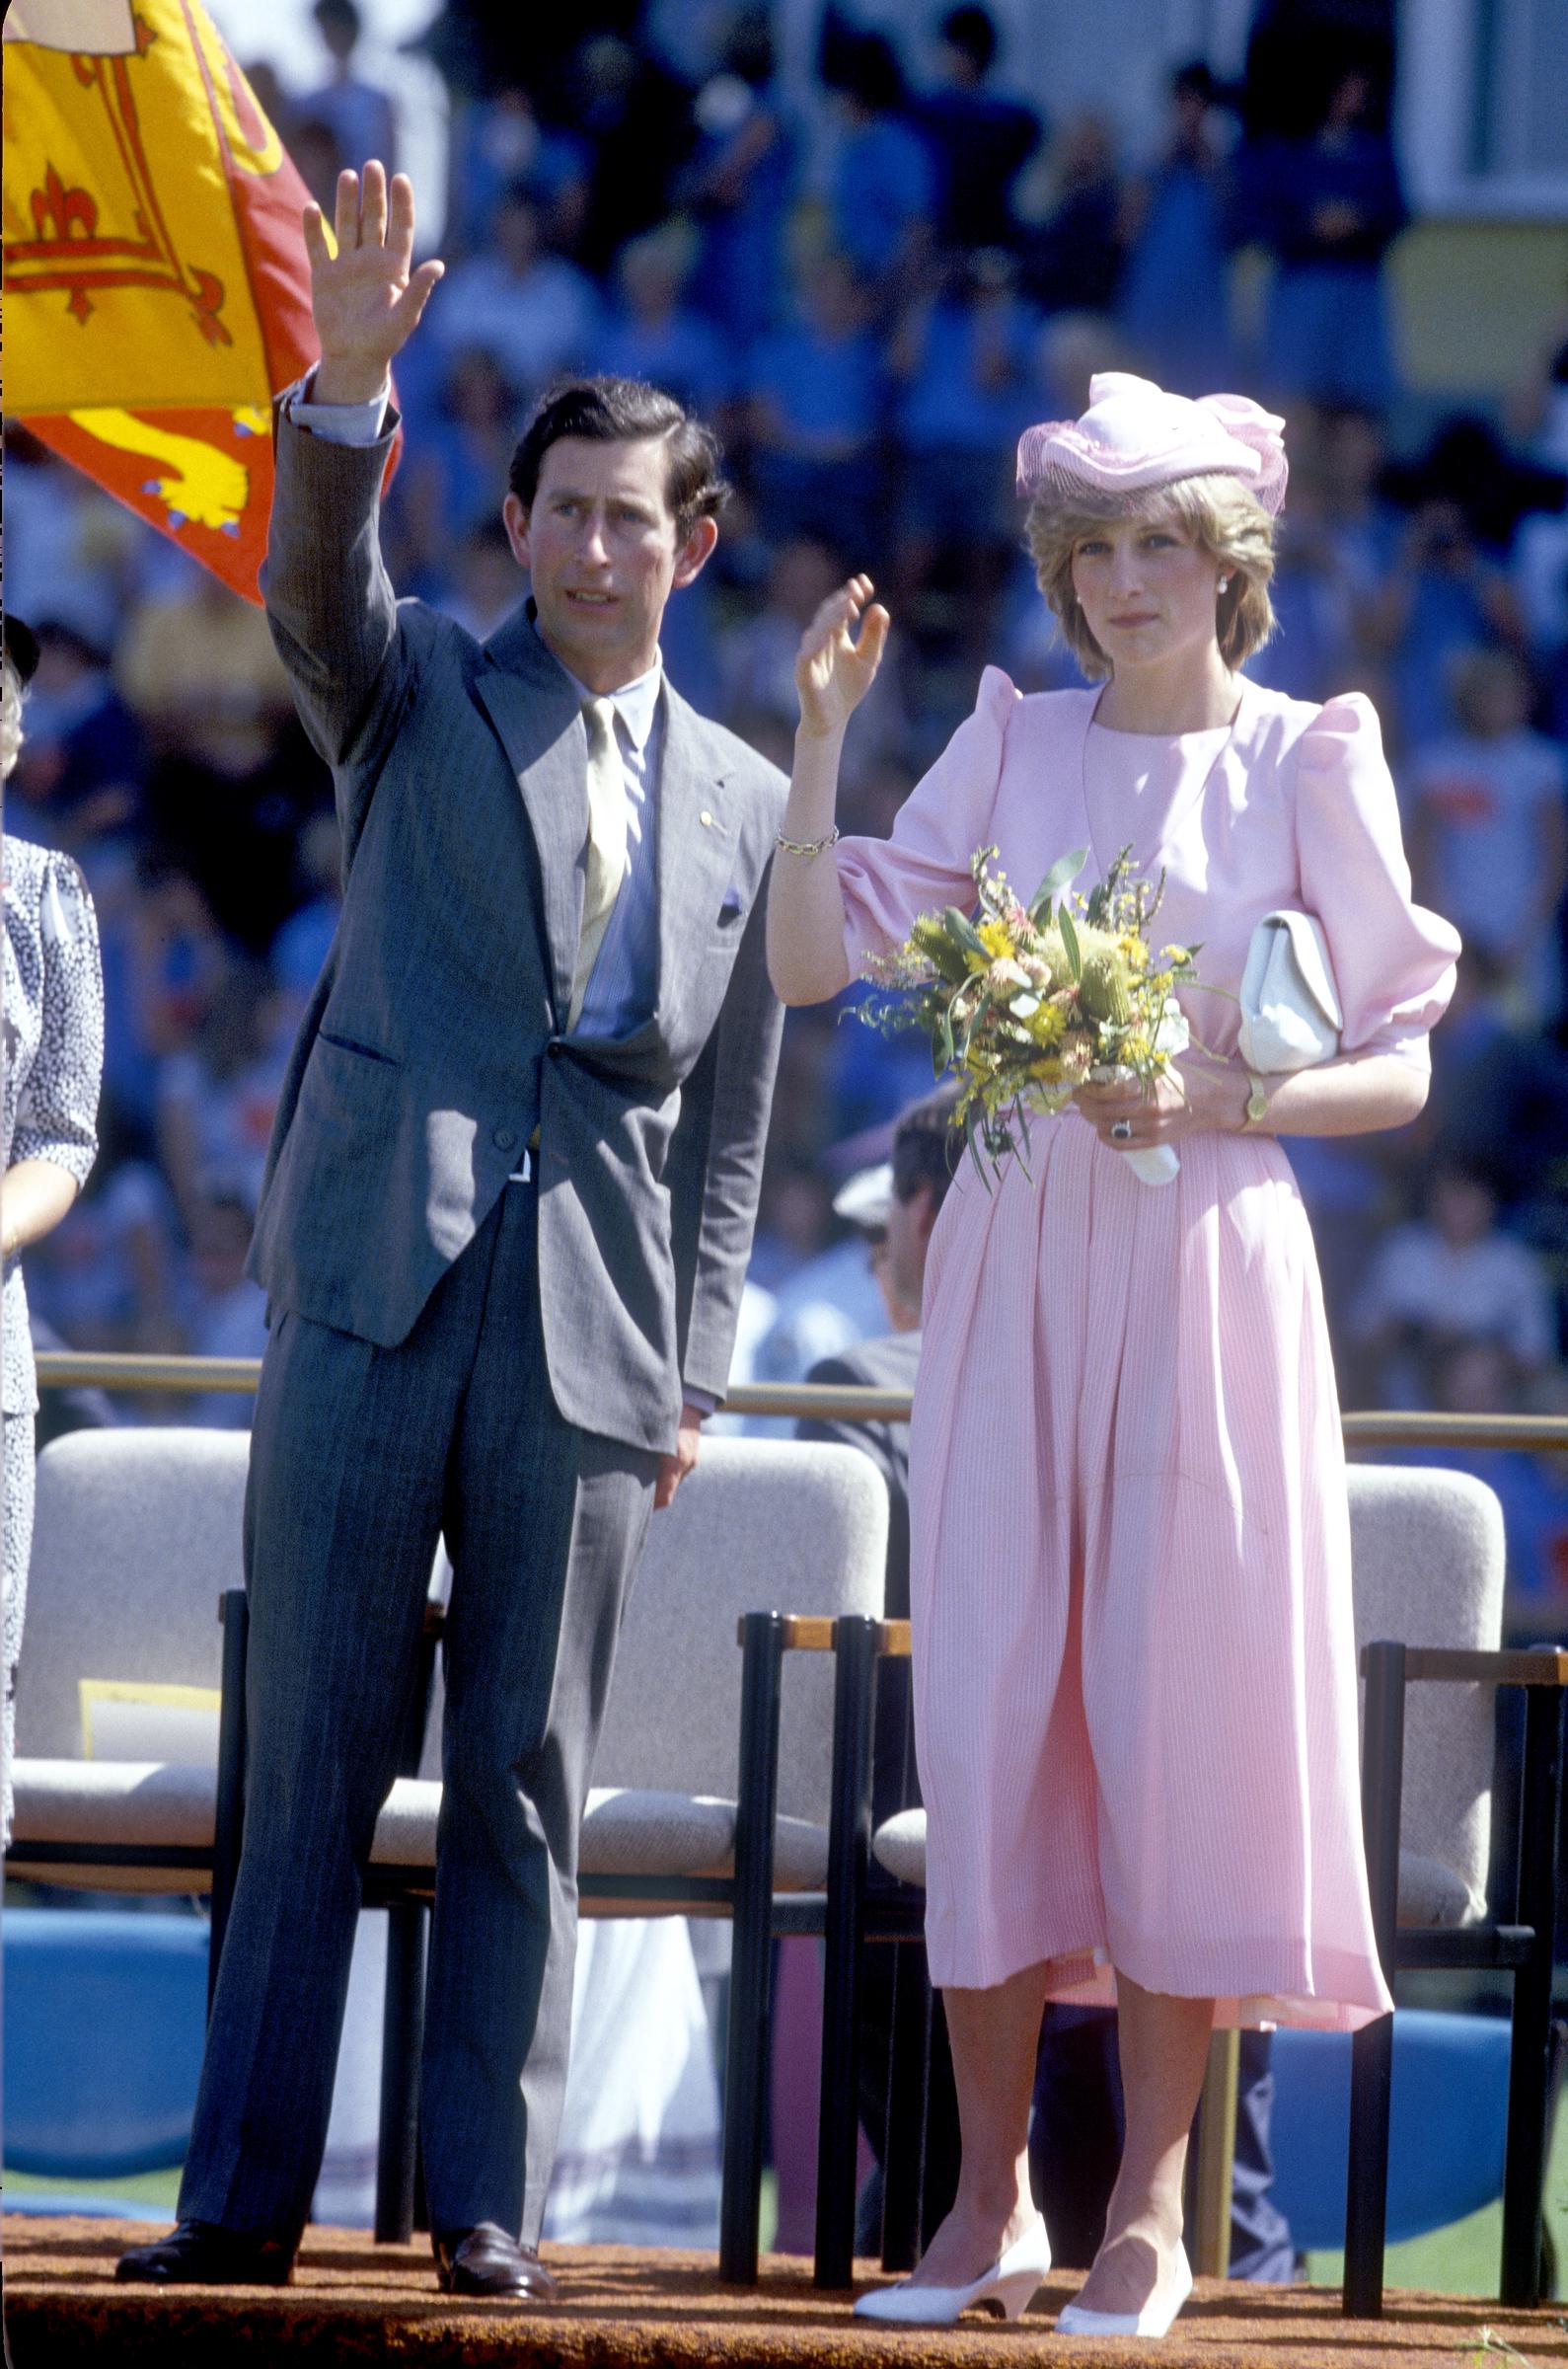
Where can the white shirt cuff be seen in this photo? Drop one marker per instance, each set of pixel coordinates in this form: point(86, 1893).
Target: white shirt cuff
point(338, 423)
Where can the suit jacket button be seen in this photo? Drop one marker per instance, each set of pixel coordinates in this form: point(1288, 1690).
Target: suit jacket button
point(503, 1139)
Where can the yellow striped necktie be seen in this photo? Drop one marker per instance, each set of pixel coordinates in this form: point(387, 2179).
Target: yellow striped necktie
point(608, 860)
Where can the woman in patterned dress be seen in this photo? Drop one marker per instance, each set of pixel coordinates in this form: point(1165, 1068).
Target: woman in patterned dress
point(53, 1022)
point(1135, 1687)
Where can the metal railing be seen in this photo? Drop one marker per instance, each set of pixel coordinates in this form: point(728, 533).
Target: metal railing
point(1384, 1427)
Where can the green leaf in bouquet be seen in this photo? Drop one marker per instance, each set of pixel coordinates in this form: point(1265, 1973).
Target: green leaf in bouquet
point(930, 939)
point(1074, 961)
point(1064, 870)
point(974, 1134)
point(943, 1050)
point(961, 929)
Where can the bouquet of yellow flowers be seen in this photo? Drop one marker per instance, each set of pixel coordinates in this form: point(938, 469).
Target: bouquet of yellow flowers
point(1025, 1002)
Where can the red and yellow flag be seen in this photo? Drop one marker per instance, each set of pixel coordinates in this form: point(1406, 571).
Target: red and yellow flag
point(157, 290)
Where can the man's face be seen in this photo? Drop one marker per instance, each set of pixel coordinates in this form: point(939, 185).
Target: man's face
point(603, 554)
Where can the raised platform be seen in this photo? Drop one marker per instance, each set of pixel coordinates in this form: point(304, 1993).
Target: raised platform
point(353, 2301)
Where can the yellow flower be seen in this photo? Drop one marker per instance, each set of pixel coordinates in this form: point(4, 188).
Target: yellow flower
point(1047, 1025)
point(995, 939)
point(1047, 1071)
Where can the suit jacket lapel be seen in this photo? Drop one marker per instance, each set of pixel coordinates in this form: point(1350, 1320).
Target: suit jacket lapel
point(697, 847)
point(534, 709)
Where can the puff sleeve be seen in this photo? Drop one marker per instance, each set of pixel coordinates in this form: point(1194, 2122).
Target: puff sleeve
point(57, 1106)
point(1392, 960)
point(887, 882)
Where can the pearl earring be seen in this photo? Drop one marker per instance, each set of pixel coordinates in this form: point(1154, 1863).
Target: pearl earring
point(1224, 584)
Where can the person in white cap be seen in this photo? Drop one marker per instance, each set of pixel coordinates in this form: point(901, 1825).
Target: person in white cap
point(1135, 1687)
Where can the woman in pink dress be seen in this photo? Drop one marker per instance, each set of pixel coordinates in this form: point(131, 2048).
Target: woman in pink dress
point(1135, 1680)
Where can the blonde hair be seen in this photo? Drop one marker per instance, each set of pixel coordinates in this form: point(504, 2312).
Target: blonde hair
point(1223, 516)
point(10, 717)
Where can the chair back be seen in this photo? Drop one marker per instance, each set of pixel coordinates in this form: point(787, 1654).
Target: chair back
point(761, 1525)
point(1428, 1567)
point(136, 1535)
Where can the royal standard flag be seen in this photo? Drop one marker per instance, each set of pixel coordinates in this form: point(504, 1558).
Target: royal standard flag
point(157, 290)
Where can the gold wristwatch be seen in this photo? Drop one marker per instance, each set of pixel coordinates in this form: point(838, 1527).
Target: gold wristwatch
point(1258, 1102)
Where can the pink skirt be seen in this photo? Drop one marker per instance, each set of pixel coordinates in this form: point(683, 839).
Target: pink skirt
point(1135, 1672)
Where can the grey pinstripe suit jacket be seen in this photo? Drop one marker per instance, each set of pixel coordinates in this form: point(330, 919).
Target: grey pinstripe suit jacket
point(435, 1042)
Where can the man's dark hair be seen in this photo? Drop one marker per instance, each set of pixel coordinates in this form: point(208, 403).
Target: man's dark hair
point(971, 31)
point(626, 411)
point(925, 1148)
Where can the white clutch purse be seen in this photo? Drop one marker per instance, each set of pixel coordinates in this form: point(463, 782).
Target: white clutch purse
point(1291, 1015)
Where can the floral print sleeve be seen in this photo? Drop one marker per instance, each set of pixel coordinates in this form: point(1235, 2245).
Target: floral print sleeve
point(56, 1112)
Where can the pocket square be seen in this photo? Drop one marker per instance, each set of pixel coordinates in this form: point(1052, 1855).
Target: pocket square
point(734, 904)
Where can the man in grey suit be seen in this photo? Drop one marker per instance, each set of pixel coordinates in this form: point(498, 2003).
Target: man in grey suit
point(503, 1234)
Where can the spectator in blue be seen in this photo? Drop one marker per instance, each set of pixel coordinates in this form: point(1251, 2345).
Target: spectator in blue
point(815, 411)
point(499, 142)
point(651, 333)
point(963, 359)
point(740, 183)
point(1314, 604)
point(78, 782)
point(446, 486)
point(1486, 808)
point(980, 142)
point(532, 311)
point(636, 117)
point(1074, 262)
point(1480, 1377)
point(1443, 595)
point(1175, 294)
point(299, 952)
point(1499, 1104)
point(361, 117)
point(881, 189)
point(1327, 208)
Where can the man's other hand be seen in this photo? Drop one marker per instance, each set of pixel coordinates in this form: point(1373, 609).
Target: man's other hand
point(366, 296)
point(674, 1468)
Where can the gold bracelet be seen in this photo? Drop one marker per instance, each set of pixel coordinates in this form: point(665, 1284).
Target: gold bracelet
point(805, 847)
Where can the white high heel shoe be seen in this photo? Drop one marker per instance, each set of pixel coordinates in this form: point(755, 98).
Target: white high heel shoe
point(1152, 2321)
point(1011, 2281)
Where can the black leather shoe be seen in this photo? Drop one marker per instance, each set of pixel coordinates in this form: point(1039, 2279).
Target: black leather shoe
point(486, 2262)
point(201, 2253)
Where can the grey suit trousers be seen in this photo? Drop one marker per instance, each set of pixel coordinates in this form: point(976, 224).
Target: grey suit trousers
point(361, 1456)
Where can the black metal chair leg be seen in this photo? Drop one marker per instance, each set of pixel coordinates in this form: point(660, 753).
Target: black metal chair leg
point(1525, 2172)
point(397, 2151)
point(228, 1829)
point(849, 1858)
point(1371, 2052)
point(903, 2154)
point(751, 1961)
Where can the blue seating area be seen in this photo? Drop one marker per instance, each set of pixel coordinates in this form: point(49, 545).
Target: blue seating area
point(1450, 2124)
point(105, 2014)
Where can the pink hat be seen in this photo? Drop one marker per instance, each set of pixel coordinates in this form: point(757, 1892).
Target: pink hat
point(1135, 436)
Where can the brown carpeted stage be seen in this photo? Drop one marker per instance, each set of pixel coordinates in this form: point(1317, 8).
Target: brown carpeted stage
point(355, 2302)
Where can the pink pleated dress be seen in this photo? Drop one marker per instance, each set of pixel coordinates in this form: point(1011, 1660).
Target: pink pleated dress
point(1135, 1676)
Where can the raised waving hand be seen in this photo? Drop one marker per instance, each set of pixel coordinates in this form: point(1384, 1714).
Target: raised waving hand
point(833, 671)
point(367, 296)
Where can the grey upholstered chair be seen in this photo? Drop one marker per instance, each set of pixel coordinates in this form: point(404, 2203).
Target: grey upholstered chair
point(667, 1829)
point(136, 1537)
point(1428, 1572)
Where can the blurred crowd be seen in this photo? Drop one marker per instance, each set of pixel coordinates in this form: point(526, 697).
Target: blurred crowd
point(871, 295)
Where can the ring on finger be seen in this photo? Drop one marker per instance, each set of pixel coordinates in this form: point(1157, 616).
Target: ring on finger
point(1121, 1130)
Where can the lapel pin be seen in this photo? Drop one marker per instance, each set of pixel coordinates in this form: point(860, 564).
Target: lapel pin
point(705, 819)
